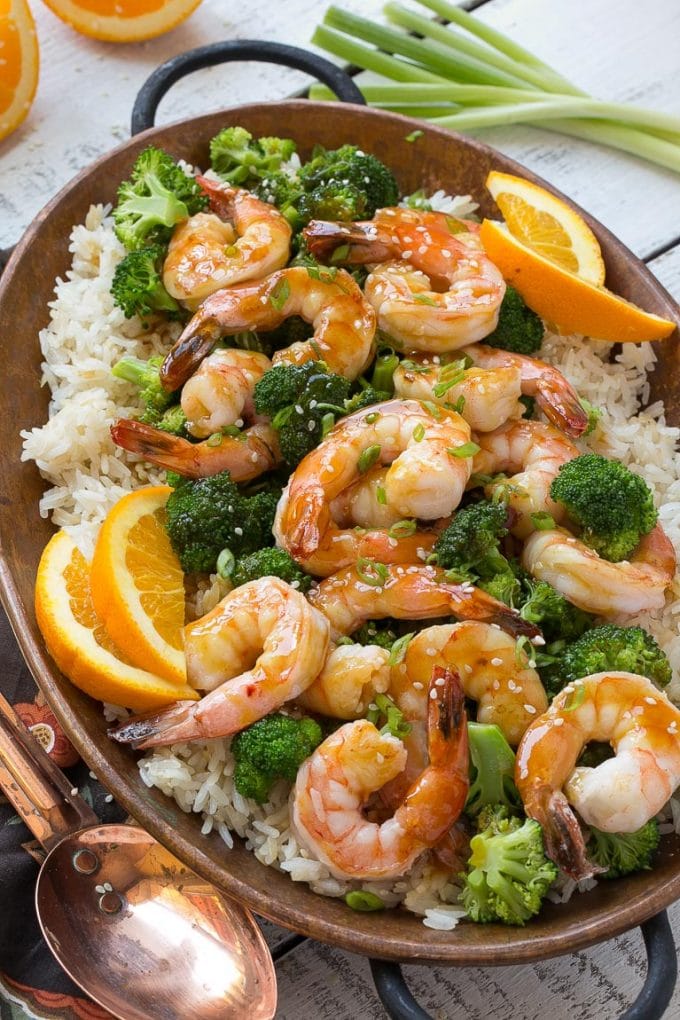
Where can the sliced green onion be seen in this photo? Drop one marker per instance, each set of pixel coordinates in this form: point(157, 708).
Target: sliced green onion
point(524, 652)
point(383, 372)
point(214, 440)
point(327, 423)
point(233, 431)
point(440, 389)
point(226, 562)
point(413, 366)
point(340, 253)
point(381, 495)
point(419, 433)
point(458, 406)
point(431, 407)
point(402, 529)
point(279, 294)
point(360, 899)
point(464, 450)
point(324, 273)
point(398, 649)
point(424, 299)
point(372, 418)
point(574, 698)
point(344, 641)
point(368, 458)
point(543, 521)
point(414, 136)
point(371, 572)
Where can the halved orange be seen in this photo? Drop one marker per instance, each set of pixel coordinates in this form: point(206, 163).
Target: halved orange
point(138, 584)
point(547, 225)
point(78, 642)
point(19, 63)
point(564, 300)
point(122, 20)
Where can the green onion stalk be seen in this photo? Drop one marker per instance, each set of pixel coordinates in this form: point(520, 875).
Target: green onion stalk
point(479, 78)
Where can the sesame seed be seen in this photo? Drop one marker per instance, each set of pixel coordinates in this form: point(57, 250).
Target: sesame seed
point(673, 728)
point(512, 686)
point(312, 404)
point(239, 423)
point(433, 695)
point(238, 531)
point(530, 709)
point(108, 798)
point(559, 722)
point(467, 667)
point(440, 681)
point(373, 707)
point(496, 685)
point(538, 640)
point(651, 701)
point(431, 652)
point(407, 254)
point(446, 253)
point(74, 791)
point(298, 409)
point(496, 662)
point(418, 686)
point(380, 758)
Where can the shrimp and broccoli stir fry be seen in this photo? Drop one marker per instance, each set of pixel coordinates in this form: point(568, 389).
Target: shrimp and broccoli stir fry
point(431, 584)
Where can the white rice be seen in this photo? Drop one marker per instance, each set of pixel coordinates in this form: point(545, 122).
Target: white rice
point(88, 474)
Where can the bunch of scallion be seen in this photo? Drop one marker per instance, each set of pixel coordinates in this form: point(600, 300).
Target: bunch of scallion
point(479, 78)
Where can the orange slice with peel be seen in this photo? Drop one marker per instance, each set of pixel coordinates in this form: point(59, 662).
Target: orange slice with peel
point(19, 63)
point(547, 225)
point(79, 643)
point(122, 20)
point(568, 303)
point(138, 584)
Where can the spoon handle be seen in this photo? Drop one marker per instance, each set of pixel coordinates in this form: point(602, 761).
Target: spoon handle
point(35, 786)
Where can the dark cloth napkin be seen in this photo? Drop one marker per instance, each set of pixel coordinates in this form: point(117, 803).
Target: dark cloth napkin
point(28, 972)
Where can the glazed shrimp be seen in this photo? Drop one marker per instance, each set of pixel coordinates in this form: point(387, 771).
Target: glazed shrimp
point(554, 394)
point(262, 645)
point(337, 780)
point(245, 457)
point(532, 454)
point(351, 677)
point(620, 795)
point(364, 503)
point(343, 322)
point(437, 292)
point(495, 672)
point(488, 398)
point(595, 584)
point(246, 240)
point(372, 591)
point(426, 478)
point(221, 391)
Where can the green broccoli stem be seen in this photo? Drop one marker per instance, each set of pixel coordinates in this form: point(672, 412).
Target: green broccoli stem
point(135, 370)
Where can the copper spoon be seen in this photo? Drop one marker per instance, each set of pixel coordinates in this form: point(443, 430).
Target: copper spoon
point(138, 931)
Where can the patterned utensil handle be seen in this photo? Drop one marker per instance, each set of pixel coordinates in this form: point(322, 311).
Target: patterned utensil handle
point(35, 786)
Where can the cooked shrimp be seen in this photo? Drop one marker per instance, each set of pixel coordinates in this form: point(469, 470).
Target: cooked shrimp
point(532, 454)
point(372, 591)
point(340, 547)
point(336, 781)
point(261, 646)
point(206, 253)
point(597, 585)
point(221, 391)
point(434, 289)
point(620, 795)
point(246, 456)
point(364, 503)
point(351, 677)
point(426, 478)
point(487, 398)
point(343, 322)
point(554, 394)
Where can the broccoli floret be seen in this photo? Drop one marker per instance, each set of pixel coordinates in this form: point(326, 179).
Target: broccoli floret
point(272, 748)
point(347, 182)
point(492, 766)
point(508, 873)
point(624, 852)
point(613, 507)
point(621, 649)
point(302, 401)
point(207, 515)
point(504, 587)
point(375, 632)
point(519, 329)
point(364, 398)
point(386, 715)
point(271, 562)
point(146, 375)
point(157, 196)
point(137, 286)
point(470, 544)
point(173, 420)
point(557, 618)
point(239, 158)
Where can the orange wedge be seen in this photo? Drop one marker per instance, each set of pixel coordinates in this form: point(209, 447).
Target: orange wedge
point(78, 642)
point(548, 226)
point(122, 20)
point(138, 584)
point(18, 63)
point(564, 300)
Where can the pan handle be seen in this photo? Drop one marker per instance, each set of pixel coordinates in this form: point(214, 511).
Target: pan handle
point(227, 51)
point(651, 1003)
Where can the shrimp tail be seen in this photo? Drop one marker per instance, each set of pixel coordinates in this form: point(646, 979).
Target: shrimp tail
point(363, 240)
point(308, 522)
point(453, 849)
point(562, 835)
point(562, 408)
point(196, 343)
point(171, 725)
point(446, 717)
point(221, 196)
point(470, 603)
point(151, 443)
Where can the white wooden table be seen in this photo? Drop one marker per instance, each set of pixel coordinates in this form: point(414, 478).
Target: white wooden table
point(616, 49)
